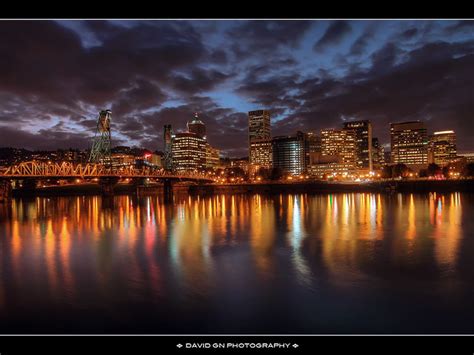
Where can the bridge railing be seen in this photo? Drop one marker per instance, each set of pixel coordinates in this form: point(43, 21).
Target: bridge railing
point(68, 169)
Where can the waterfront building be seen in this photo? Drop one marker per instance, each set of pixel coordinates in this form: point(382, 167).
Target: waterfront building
point(212, 156)
point(260, 138)
point(409, 144)
point(339, 143)
point(261, 153)
point(122, 159)
point(442, 148)
point(288, 153)
point(188, 151)
point(468, 157)
point(363, 143)
point(242, 163)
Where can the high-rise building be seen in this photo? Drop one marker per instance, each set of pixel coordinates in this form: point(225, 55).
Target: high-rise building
point(260, 153)
point(442, 148)
point(212, 156)
point(289, 153)
point(188, 152)
point(409, 144)
point(363, 143)
point(259, 125)
point(197, 126)
point(339, 143)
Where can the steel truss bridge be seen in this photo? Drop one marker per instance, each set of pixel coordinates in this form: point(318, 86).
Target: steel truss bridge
point(64, 170)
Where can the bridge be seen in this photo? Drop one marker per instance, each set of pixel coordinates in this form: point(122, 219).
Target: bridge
point(105, 175)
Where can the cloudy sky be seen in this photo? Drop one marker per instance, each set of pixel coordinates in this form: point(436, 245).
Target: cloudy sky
point(56, 75)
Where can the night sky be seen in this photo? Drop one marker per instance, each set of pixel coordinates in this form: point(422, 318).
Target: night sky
point(56, 75)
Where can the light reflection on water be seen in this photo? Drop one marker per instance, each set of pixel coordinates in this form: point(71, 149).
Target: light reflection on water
point(137, 260)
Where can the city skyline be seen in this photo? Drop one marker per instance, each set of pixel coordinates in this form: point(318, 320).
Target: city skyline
point(321, 74)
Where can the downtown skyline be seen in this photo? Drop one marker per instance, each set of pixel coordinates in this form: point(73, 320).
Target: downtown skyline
point(311, 75)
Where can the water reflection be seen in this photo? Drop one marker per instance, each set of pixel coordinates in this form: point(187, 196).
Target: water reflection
point(85, 251)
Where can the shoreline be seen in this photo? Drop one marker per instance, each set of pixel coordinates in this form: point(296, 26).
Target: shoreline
point(386, 186)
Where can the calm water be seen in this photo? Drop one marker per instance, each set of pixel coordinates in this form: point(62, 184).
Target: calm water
point(340, 263)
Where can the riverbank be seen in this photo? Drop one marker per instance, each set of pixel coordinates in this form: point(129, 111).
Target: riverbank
point(407, 186)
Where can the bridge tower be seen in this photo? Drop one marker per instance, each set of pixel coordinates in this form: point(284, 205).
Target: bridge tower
point(100, 150)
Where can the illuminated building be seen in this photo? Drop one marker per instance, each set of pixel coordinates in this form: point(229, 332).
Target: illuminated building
point(338, 153)
point(409, 144)
point(240, 163)
point(442, 148)
point(197, 126)
point(212, 156)
point(188, 151)
point(339, 143)
point(289, 153)
point(121, 159)
point(363, 143)
point(469, 157)
point(153, 159)
point(260, 153)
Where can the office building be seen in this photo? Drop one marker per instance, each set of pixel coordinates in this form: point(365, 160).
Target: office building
point(188, 151)
point(288, 153)
point(339, 143)
point(212, 157)
point(260, 153)
point(363, 143)
point(409, 144)
point(197, 126)
point(442, 148)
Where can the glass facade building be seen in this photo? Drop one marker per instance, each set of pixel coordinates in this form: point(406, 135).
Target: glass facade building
point(289, 153)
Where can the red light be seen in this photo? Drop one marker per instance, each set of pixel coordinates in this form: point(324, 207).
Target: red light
point(147, 155)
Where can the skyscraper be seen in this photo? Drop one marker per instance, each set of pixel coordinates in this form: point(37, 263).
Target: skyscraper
point(289, 153)
point(363, 143)
point(409, 144)
point(197, 126)
point(442, 147)
point(188, 151)
point(339, 144)
point(260, 144)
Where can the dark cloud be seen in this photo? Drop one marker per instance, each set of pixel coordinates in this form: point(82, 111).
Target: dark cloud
point(260, 36)
point(336, 31)
point(410, 33)
point(55, 78)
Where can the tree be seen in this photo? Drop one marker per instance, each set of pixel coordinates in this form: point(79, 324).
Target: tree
point(468, 170)
point(276, 174)
point(423, 173)
point(400, 170)
point(387, 172)
point(434, 169)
